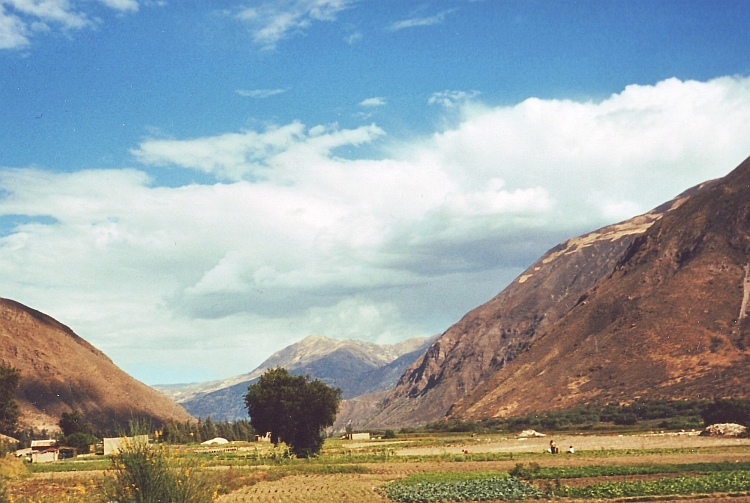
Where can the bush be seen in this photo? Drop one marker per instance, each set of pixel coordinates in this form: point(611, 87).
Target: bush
point(626, 419)
point(521, 471)
point(729, 410)
point(149, 474)
point(389, 434)
point(82, 442)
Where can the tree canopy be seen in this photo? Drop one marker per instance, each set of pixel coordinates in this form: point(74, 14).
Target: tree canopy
point(10, 378)
point(293, 409)
point(73, 422)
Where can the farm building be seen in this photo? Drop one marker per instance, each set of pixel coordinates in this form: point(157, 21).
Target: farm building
point(43, 451)
point(358, 436)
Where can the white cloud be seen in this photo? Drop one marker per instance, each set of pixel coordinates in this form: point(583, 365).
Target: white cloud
point(373, 102)
point(297, 240)
point(259, 93)
point(20, 18)
point(121, 5)
point(272, 21)
point(452, 99)
point(252, 155)
point(420, 21)
point(12, 30)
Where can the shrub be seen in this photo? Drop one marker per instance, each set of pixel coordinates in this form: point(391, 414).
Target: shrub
point(626, 419)
point(149, 474)
point(389, 434)
point(521, 471)
point(82, 442)
point(729, 410)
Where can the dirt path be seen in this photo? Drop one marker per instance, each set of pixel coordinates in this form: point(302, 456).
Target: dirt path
point(583, 443)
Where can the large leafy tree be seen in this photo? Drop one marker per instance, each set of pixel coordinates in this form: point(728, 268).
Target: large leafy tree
point(10, 378)
point(294, 409)
point(73, 422)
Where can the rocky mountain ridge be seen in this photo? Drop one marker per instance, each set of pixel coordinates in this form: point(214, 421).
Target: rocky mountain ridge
point(459, 369)
point(669, 321)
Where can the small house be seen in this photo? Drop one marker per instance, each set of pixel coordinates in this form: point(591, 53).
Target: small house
point(358, 436)
point(48, 455)
point(44, 451)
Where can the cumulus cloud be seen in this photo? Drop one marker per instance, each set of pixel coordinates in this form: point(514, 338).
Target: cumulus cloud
point(272, 21)
point(373, 102)
point(19, 19)
point(295, 240)
point(420, 21)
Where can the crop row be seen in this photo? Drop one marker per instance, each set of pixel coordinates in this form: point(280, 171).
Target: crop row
point(493, 488)
point(536, 472)
point(718, 482)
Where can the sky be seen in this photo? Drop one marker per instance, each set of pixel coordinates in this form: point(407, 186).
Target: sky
point(191, 186)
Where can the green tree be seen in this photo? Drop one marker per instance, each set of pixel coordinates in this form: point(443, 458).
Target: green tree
point(73, 422)
point(727, 410)
point(10, 378)
point(76, 432)
point(294, 409)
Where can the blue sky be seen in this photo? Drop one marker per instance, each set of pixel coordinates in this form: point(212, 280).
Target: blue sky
point(185, 182)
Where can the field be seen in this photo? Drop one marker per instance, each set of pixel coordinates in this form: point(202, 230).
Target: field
point(603, 467)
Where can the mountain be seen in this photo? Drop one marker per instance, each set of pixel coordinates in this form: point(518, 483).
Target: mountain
point(465, 372)
point(356, 367)
point(669, 321)
point(60, 372)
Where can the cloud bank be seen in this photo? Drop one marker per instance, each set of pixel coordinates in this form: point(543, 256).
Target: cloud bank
point(293, 239)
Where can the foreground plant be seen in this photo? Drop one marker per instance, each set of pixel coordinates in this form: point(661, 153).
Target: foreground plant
point(143, 473)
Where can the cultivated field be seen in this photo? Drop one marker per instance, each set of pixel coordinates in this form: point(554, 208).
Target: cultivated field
point(353, 471)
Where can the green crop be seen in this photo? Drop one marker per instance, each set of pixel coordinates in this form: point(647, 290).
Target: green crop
point(712, 483)
point(493, 488)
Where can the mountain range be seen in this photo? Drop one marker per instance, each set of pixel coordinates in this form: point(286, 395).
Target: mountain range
point(357, 367)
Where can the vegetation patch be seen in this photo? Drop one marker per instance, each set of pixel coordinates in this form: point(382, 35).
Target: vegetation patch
point(717, 482)
point(499, 487)
point(534, 471)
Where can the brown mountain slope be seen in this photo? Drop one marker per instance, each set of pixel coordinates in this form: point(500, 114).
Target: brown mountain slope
point(494, 334)
point(669, 322)
point(60, 371)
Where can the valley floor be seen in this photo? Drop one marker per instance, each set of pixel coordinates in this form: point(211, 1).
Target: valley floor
point(294, 482)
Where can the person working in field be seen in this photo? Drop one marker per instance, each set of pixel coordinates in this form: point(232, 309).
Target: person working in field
point(552, 447)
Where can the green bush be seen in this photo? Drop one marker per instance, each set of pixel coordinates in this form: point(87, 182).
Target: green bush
point(729, 410)
point(82, 442)
point(150, 474)
point(389, 434)
point(521, 471)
